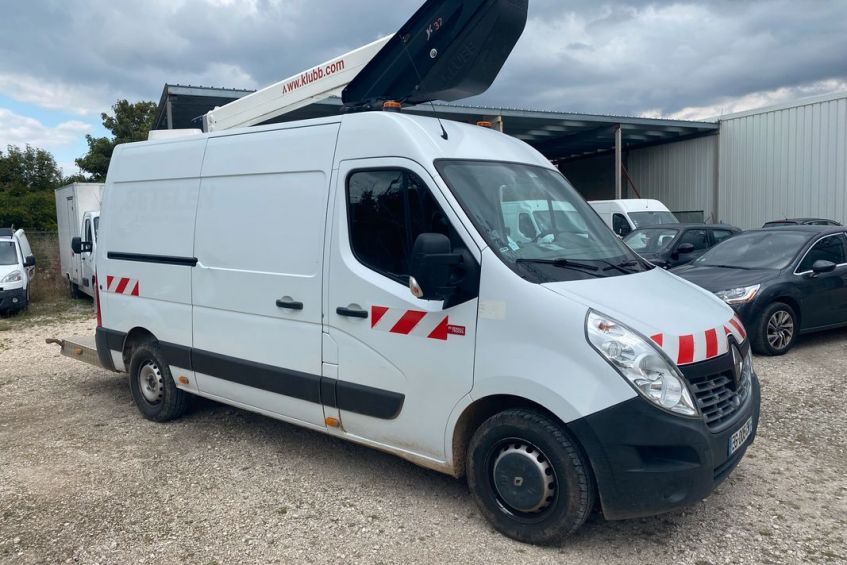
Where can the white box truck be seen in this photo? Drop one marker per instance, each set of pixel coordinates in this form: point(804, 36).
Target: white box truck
point(78, 215)
point(376, 295)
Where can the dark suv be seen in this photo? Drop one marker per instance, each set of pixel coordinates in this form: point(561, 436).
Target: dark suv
point(671, 245)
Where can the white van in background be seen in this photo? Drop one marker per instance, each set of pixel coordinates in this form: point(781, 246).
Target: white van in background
point(78, 215)
point(17, 269)
point(624, 216)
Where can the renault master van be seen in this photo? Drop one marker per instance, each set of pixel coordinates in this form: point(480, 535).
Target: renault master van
point(17, 269)
point(387, 291)
point(378, 294)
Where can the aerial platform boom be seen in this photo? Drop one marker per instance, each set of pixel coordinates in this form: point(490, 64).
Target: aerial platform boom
point(449, 50)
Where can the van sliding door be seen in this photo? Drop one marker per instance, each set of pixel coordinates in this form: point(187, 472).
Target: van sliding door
point(257, 286)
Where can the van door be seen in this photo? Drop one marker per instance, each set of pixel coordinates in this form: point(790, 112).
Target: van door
point(86, 259)
point(258, 286)
point(402, 363)
point(73, 222)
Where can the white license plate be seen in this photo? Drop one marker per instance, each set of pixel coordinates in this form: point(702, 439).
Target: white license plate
point(740, 436)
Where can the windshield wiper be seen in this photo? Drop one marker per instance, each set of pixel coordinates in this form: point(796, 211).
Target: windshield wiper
point(622, 267)
point(565, 264)
point(726, 266)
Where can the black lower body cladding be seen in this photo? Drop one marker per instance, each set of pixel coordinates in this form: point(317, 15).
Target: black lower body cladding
point(647, 461)
point(352, 397)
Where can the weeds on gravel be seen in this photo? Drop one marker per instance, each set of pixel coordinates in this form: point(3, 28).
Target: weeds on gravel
point(48, 306)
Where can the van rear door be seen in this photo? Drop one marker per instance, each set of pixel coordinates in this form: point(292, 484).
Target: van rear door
point(402, 363)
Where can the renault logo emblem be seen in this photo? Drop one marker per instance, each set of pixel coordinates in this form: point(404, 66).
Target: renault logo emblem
point(737, 364)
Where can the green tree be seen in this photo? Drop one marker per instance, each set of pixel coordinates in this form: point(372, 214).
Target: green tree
point(28, 170)
point(27, 179)
point(129, 122)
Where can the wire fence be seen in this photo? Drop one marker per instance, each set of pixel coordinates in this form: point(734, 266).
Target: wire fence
point(48, 274)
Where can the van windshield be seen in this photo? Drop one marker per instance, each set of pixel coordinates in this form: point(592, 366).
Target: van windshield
point(536, 222)
point(8, 254)
point(644, 219)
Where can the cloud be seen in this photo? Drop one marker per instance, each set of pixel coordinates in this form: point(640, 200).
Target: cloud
point(754, 100)
point(21, 130)
point(623, 56)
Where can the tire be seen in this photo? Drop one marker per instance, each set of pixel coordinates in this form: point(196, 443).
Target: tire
point(776, 330)
point(530, 447)
point(153, 388)
point(74, 288)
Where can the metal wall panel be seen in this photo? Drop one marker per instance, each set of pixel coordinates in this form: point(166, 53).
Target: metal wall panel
point(683, 175)
point(593, 177)
point(784, 162)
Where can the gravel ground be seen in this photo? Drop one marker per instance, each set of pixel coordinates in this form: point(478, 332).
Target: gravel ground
point(84, 478)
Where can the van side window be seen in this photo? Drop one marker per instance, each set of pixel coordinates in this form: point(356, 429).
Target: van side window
point(620, 225)
point(88, 236)
point(387, 210)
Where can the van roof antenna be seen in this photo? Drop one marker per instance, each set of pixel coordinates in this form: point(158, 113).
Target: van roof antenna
point(444, 135)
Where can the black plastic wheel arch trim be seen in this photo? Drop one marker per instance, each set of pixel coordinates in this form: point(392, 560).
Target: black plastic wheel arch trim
point(160, 259)
point(352, 397)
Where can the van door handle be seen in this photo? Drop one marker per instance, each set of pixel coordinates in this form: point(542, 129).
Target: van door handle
point(351, 313)
point(289, 304)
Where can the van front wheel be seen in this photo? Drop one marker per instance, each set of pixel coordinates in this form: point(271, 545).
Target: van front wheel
point(153, 388)
point(529, 477)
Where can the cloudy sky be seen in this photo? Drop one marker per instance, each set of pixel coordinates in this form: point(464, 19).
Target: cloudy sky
point(62, 62)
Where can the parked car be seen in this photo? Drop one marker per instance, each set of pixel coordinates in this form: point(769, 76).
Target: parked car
point(17, 268)
point(782, 282)
point(624, 216)
point(800, 222)
point(673, 245)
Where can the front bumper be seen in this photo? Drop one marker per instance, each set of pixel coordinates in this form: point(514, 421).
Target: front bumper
point(647, 461)
point(12, 299)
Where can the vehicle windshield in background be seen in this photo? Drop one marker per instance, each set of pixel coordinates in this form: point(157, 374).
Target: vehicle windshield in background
point(755, 250)
point(8, 254)
point(644, 219)
point(651, 241)
point(536, 222)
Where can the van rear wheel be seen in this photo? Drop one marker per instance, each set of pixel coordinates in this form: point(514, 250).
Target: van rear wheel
point(153, 388)
point(529, 477)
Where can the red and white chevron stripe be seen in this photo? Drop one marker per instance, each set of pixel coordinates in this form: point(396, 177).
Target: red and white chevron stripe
point(413, 323)
point(122, 285)
point(702, 346)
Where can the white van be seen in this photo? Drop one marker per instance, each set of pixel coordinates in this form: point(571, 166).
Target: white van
point(376, 295)
point(624, 216)
point(78, 216)
point(17, 269)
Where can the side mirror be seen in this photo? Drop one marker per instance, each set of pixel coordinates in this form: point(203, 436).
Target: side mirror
point(29, 261)
point(431, 267)
point(822, 266)
point(78, 246)
point(685, 249)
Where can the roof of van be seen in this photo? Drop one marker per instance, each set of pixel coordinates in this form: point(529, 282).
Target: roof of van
point(363, 135)
point(633, 204)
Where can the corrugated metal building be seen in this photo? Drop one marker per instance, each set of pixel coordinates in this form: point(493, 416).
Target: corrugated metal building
point(742, 169)
point(765, 164)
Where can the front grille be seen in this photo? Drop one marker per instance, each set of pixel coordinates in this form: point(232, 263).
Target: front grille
point(718, 396)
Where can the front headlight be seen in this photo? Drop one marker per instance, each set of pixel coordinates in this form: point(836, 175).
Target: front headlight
point(640, 363)
point(740, 295)
point(14, 276)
